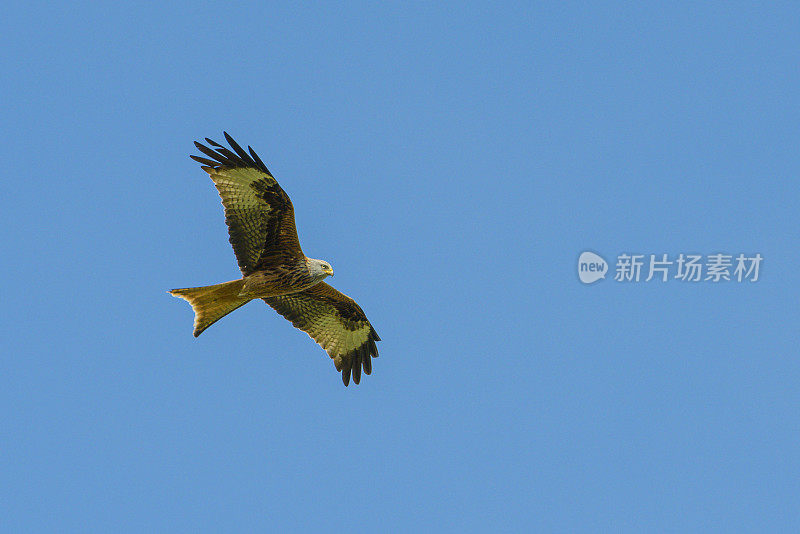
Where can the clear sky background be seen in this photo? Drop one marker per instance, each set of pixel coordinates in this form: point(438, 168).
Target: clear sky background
point(451, 162)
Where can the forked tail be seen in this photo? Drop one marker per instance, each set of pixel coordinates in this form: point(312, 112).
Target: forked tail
point(212, 303)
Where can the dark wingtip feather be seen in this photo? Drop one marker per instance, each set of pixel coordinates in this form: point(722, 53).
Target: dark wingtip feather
point(238, 149)
point(346, 377)
point(223, 157)
point(218, 159)
point(356, 368)
point(204, 161)
point(258, 160)
point(366, 359)
point(232, 159)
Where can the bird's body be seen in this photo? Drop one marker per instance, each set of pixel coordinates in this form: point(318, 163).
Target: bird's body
point(260, 219)
point(280, 279)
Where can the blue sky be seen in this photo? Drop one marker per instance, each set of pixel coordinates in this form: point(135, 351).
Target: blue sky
point(451, 162)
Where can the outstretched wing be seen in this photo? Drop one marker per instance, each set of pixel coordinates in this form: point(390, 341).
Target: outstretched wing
point(336, 322)
point(259, 214)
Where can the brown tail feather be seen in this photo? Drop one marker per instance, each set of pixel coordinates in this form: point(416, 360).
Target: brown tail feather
point(212, 303)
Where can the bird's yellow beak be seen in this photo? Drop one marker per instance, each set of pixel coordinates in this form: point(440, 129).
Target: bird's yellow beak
point(329, 271)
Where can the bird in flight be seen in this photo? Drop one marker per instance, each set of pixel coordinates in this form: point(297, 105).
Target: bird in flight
point(260, 220)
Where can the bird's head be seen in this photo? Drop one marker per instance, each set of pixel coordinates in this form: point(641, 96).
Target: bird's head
point(320, 268)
